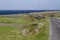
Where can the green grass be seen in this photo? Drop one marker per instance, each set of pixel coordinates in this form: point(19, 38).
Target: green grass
point(6, 33)
point(5, 29)
point(43, 33)
point(14, 20)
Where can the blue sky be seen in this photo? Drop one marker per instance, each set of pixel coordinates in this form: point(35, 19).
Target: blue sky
point(29, 4)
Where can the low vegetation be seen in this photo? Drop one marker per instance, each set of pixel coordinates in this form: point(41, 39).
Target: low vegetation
point(30, 23)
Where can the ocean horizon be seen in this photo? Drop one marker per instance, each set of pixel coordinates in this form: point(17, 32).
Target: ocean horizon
point(6, 12)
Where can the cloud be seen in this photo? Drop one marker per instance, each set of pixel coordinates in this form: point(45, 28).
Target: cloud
point(29, 4)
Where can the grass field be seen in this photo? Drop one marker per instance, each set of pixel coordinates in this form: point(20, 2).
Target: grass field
point(15, 33)
point(14, 20)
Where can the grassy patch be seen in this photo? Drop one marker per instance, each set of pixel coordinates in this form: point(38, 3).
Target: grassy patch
point(15, 20)
point(5, 29)
point(17, 35)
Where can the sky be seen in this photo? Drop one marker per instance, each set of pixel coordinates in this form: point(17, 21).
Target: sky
point(29, 4)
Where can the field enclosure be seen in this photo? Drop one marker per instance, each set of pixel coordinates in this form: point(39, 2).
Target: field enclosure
point(23, 27)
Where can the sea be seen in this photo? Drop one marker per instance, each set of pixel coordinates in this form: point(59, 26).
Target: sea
point(7, 12)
